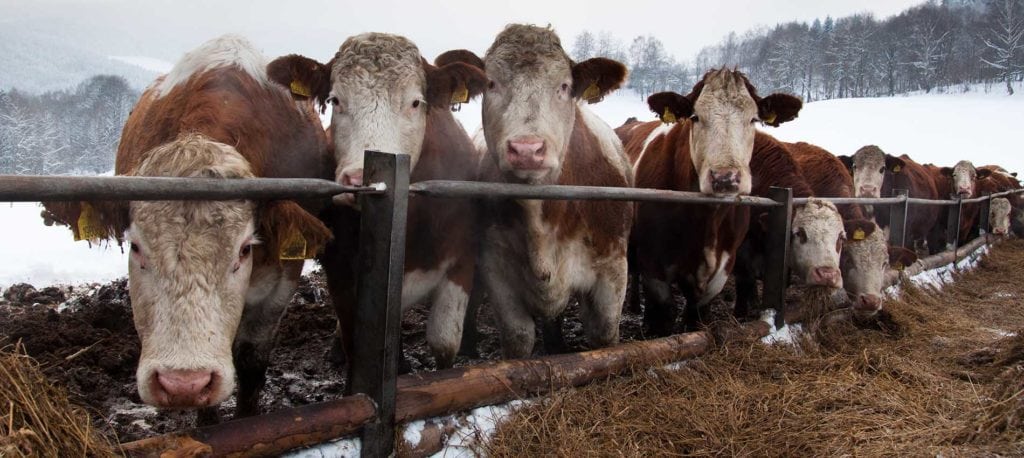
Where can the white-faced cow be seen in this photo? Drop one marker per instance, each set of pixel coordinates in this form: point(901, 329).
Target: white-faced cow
point(999, 216)
point(209, 281)
point(536, 254)
point(707, 150)
point(386, 97)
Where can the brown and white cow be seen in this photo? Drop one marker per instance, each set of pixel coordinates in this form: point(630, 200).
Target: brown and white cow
point(709, 151)
point(866, 256)
point(960, 181)
point(999, 216)
point(208, 281)
point(877, 174)
point(386, 97)
point(536, 254)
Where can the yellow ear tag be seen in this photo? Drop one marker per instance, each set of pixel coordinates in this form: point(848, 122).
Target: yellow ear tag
point(461, 94)
point(592, 93)
point(859, 234)
point(88, 225)
point(899, 266)
point(769, 119)
point(294, 248)
point(896, 169)
point(300, 89)
point(668, 117)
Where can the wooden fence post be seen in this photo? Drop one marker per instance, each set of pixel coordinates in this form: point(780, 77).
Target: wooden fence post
point(381, 263)
point(953, 224)
point(898, 220)
point(776, 275)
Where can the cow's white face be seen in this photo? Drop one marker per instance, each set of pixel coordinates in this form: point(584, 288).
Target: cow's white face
point(868, 171)
point(999, 216)
point(965, 179)
point(818, 236)
point(722, 134)
point(863, 265)
point(528, 107)
point(378, 93)
point(188, 275)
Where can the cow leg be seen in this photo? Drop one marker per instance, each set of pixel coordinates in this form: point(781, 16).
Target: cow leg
point(470, 329)
point(693, 313)
point(444, 326)
point(266, 303)
point(659, 309)
point(514, 320)
point(601, 310)
point(554, 340)
point(746, 283)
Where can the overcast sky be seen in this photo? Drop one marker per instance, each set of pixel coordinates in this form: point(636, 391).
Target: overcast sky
point(166, 28)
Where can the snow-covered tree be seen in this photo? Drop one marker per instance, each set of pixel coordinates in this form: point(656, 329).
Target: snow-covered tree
point(1004, 40)
point(583, 46)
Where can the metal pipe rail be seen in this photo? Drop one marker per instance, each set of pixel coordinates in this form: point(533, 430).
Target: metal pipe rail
point(454, 189)
point(29, 188)
point(854, 200)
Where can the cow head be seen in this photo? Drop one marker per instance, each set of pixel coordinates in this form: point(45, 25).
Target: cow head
point(999, 215)
point(965, 178)
point(865, 260)
point(723, 109)
point(529, 106)
point(380, 89)
point(818, 235)
point(189, 269)
point(869, 166)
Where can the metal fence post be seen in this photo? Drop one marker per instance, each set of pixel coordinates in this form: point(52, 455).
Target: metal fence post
point(953, 224)
point(898, 220)
point(381, 263)
point(776, 275)
point(983, 222)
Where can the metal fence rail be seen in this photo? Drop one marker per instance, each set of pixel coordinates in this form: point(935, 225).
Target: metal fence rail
point(382, 233)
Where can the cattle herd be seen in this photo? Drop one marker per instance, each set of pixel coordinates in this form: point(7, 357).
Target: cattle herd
point(209, 281)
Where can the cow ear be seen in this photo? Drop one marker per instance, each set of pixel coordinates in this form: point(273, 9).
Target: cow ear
point(453, 83)
point(900, 258)
point(304, 77)
point(847, 161)
point(859, 229)
point(778, 108)
point(595, 78)
point(947, 172)
point(984, 173)
point(670, 107)
point(290, 233)
point(101, 220)
point(894, 164)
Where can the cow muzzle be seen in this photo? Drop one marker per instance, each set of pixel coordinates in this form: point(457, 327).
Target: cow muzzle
point(725, 181)
point(867, 304)
point(527, 153)
point(964, 193)
point(999, 231)
point(184, 388)
point(825, 276)
point(867, 191)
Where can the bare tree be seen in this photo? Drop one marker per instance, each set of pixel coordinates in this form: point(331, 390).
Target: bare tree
point(1004, 40)
point(583, 46)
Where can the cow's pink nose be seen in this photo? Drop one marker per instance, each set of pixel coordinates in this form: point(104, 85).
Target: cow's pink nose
point(352, 177)
point(825, 276)
point(526, 152)
point(868, 303)
point(999, 231)
point(725, 180)
point(964, 192)
point(184, 388)
point(868, 191)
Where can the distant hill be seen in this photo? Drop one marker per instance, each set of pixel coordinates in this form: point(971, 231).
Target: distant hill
point(35, 61)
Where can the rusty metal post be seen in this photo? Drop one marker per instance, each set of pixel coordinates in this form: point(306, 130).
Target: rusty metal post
point(776, 275)
point(381, 264)
point(953, 224)
point(898, 220)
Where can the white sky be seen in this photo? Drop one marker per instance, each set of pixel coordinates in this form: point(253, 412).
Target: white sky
point(166, 28)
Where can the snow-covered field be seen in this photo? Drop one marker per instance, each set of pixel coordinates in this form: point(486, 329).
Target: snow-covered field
point(939, 128)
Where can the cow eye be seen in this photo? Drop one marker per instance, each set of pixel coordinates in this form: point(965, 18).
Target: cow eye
point(245, 251)
point(754, 121)
point(415, 103)
point(491, 84)
point(881, 170)
point(801, 234)
point(695, 119)
point(135, 249)
point(332, 100)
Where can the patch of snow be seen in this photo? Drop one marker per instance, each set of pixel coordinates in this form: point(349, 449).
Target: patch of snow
point(344, 448)
point(479, 426)
point(786, 335)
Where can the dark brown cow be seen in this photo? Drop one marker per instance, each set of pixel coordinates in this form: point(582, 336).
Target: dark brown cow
point(209, 281)
point(866, 255)
point(386, 97)
point(709, 151)
point(961, 181)
point(877, 174)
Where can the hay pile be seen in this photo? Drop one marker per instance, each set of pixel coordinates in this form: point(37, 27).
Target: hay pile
point(932, 375)
point(37, 417)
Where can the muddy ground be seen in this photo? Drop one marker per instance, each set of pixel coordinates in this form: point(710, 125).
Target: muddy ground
point(85, 338)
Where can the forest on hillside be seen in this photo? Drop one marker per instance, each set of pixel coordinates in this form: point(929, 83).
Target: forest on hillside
point(947, 44)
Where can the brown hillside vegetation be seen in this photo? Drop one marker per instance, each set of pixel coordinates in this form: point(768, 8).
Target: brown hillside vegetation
point(935, 375)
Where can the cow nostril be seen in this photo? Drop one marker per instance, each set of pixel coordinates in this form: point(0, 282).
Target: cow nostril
point(352, 178)
point(184, 388)
point(527, 148)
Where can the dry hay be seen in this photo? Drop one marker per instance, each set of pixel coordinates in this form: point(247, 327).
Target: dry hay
point(930, 376)
point(37, 417)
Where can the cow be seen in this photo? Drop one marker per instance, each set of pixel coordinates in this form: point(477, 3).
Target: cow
point(865, 256)
point(877, 174)
point(999, 216)
point(705, 145)
point(209, 281)
point(961, 181)
point(1001, 180)
point(385, 96)
point(534, 254)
